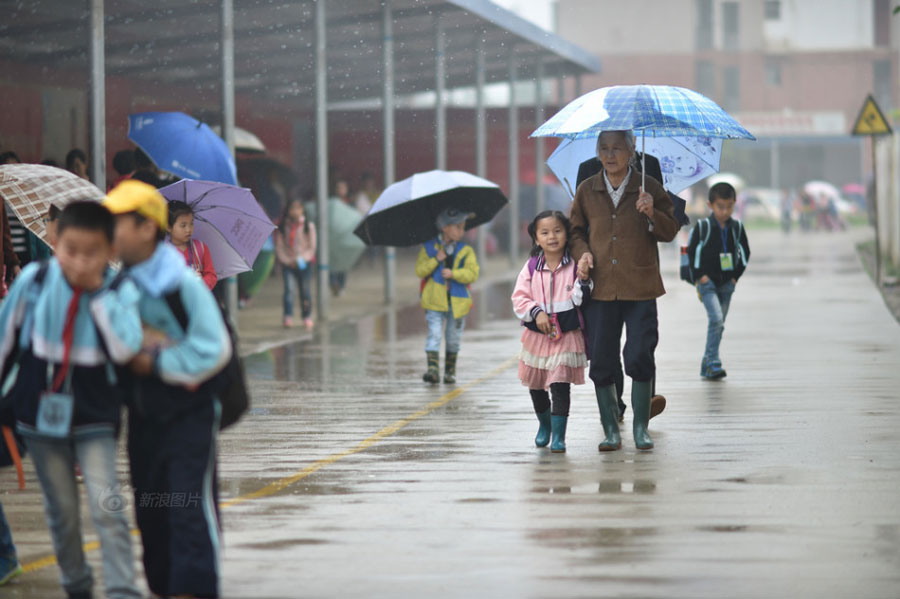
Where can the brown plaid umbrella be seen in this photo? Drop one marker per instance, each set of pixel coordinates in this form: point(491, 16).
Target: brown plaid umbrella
point(30, 189)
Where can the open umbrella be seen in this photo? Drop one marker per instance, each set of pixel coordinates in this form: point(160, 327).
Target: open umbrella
point(822, 190)
point(683, 160)
point(648, 110)
point(344, 248)
point(244, 141)
point(228, 219)
point(404, 214)
point(30, 189)
point(182, 145)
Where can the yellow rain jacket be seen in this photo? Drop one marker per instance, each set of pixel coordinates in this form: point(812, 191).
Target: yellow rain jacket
point(434, 292)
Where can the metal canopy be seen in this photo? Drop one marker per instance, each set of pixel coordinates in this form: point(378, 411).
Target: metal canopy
point(178, 42)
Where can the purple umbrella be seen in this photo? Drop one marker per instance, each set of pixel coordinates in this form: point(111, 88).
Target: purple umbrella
point(228, 219)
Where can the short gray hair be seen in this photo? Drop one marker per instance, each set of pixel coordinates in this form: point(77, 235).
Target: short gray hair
point(627, 133)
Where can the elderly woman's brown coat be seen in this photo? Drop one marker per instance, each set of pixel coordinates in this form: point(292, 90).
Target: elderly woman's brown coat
point(626, 260)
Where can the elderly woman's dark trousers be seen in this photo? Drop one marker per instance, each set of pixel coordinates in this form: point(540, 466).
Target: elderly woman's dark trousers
point(604, 322)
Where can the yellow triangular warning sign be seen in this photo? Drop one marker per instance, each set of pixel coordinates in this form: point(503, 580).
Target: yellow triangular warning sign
point(871, 120)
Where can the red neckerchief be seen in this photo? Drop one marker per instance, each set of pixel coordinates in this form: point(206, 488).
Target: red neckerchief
point(68, 338)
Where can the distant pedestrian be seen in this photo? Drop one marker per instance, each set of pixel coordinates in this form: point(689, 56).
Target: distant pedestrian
point(77, 163)
point(367, 194)
point(718, 251)
point(9, 262)
point(123, 163)
point(145, 170)
point(67, 406)
point(174, 410)
point(446, 266)
point(18, 233)
point(195, 252)
point(338, 279)
point(295, 246)
point(547, 298)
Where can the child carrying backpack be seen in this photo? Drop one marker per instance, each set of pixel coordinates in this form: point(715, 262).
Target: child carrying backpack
point(175, 410)
point(716, 256)
point(546, 299)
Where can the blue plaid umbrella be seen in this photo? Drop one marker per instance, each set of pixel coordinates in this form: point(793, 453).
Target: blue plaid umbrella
point(653, 110)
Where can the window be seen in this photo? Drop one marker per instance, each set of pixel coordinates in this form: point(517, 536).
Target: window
point(731, 88)
point(704, 33)
point(773, 72)
point(881, 13)
point(773, 10)
point(706, 78)
point(730, 25)
point(882, 84)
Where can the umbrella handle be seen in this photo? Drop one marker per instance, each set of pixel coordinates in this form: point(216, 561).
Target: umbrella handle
point(643, 160)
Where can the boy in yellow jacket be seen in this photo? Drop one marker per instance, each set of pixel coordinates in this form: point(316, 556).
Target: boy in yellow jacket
point(447, 266)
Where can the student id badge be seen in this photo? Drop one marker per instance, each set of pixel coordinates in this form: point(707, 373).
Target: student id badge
point(726, 261)
point(54, 417)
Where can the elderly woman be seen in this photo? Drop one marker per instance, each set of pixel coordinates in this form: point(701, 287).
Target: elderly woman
point(616, 224)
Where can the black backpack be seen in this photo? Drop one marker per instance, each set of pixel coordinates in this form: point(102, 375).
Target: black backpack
point(230, 384)
point(689, 263)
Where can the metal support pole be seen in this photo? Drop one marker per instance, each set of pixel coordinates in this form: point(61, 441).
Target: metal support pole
point(227, 33)
point(480, 136)
point(98, 96)
point(577, 85)
point(390, 254)
point(440, 87)
point(774, 163)
point(539, 142)
point(560, 91)
point(322, 161)
point(874, 139)
point(513, 164)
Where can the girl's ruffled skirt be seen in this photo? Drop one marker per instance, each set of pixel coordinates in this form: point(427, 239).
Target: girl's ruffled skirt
point(543, 361)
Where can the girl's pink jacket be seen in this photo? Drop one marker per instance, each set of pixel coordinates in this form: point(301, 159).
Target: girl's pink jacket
point(533, 291)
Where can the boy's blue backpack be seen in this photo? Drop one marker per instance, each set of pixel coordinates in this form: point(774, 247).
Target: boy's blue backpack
point(689, 263)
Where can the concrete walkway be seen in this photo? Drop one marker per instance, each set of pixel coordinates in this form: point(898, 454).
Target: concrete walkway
point(353, 479)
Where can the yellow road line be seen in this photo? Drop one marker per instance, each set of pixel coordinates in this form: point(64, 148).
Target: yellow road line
point(281, 484)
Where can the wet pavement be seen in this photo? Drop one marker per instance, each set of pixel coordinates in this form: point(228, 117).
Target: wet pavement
point(351, 478)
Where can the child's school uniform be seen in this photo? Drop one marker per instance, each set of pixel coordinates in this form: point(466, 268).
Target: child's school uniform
point(197, 256)
point(720, 253)
point(544, 361)
point(173, 425)
point(67, 407)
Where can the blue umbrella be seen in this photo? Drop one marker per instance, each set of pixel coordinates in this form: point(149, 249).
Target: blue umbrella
point(182, 145)
point(655, 110)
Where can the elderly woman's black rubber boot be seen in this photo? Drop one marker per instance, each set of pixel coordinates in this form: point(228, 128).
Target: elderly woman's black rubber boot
point(640, 408)
point(609, 417)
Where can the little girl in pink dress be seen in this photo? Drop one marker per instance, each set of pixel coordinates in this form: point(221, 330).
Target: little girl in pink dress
point(547, 299)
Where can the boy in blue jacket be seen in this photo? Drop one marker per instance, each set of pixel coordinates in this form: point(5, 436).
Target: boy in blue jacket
point(174, 410)
point(62, 323)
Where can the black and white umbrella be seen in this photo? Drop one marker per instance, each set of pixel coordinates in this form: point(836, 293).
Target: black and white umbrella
point(405, 213)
